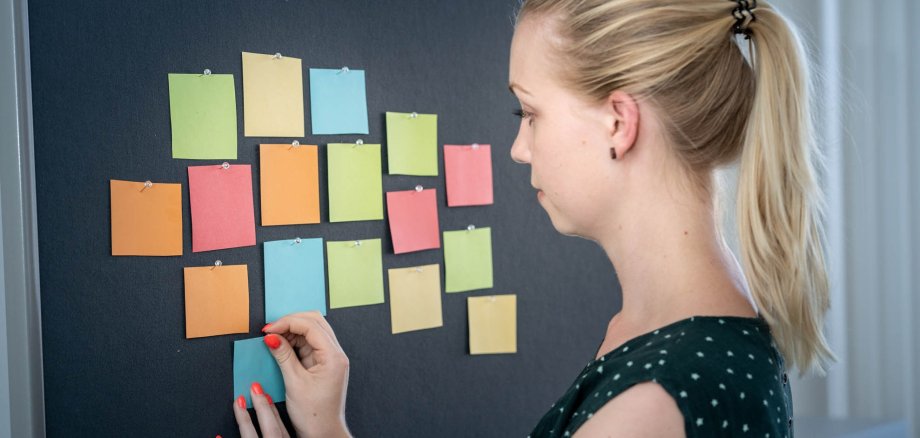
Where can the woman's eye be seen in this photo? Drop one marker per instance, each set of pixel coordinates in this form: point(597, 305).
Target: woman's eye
point(520, 112)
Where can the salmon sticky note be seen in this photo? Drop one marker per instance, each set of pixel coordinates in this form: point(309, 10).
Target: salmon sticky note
point(468, 174)
point(146, 221)
point(202, 114)
point(252, 362)
point(415, 298)
point(413, 220)
point(412, 144)
point(355, 182)
point(468, 259)
point(216, 300)
point(272, 96)
point(289, 186)
point(338, 104)
point(295, 277)
point(493, 324)
point(221, 204)
point(355, 273)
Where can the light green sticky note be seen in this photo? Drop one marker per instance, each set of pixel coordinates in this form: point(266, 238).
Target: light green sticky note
point(355, 182)
point(412, 144)
point(202, 112)
point(468, 259)
point(355, 273)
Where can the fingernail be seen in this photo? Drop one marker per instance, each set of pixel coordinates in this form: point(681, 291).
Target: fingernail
point(241, 401)
point(272, 341)
point(218, 436)
point(266, 327)
point(257, 388)
point(269, 398)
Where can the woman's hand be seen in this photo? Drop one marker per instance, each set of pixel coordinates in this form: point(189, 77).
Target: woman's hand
point(315, 372)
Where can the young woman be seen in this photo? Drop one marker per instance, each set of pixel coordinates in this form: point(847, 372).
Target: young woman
point(628, 106)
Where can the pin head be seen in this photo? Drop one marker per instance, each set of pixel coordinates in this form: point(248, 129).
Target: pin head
point(357, 243)
point(345, 69)
point(277, 56)
point(218, 263)
point(414, 115)
point(226, 165)
point(419, 188)
point(297, 240)
point(207, 72)
point(475, 146)
point(295, 143)
point(148, 184)
point(470, 227)
point(359, 142)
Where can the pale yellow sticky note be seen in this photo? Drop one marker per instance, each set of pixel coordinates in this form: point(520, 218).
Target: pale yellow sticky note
point(415, 298)
point(493, 324)
point(272, 96)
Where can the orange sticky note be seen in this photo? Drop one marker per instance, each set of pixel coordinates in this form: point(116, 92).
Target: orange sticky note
point(290, 184)
point(146, 221)
point(216, 300)
point(468, 174)
point(413, 220)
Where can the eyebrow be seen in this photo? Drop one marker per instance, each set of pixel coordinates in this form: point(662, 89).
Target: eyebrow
point(512, 86)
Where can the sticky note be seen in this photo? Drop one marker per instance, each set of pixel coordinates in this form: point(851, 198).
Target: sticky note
point(415, 298)
point(216, 300)
point(295, 277)
point(413, 219)
point(338, 103)
point(272, 96)
point(202, 114)
point(252, 362)
point(289, 186)
point(355, 273)
point(355, 182)
point(468, 259)
point(412, 144)
point(468, 174)
point(146, 221)
point(221, 204)
point(493, 324)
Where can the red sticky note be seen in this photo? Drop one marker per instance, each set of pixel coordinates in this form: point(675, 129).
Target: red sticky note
point(413, 220)
point(221, 202)
point(468, 171)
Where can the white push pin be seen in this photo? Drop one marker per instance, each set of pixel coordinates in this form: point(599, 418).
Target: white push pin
point(359, 142)
point(344, 70)
point(295, 143)
point(147, 185)
point(226, 165)
point(357, 243)
point(475, 146)
point(277, 56)
point(297, 241)
point(414, 115)
point(419, 188)
point(218, 264)
point(470, 227)
point(207, 72)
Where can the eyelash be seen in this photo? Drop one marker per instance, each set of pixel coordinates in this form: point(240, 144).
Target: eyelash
point(524, 115)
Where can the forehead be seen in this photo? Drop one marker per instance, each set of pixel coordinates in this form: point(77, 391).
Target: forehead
point(529, 53)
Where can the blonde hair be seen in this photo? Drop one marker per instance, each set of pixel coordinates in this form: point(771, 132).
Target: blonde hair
point(682, 56)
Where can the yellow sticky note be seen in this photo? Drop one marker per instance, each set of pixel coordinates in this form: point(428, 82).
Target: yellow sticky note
point(146, 221)
point(493, 324)
point(216, 300)
point(272, 96)
point(415, 298)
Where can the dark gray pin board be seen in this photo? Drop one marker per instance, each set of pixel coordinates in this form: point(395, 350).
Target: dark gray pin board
point(116, 361)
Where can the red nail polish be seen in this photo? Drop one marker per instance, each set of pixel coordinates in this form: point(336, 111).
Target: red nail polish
point(272, 341)
point(218, 436)
point(257, 388)
point(269, 398)
point(266, 327)
point(241, 401)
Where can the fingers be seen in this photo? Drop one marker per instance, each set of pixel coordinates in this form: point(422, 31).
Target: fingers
point(313, 315)
point(269, 424)
point(281, 350)
point(284, 432)
point(243, 420)
point(317, 337)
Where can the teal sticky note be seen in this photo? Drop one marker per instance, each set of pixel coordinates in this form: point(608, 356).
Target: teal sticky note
point(252, 362)
point(294, 277)
point(412, 144)
point(338, 102)
point(468, 259)
point(202, 115)
point(355, 273)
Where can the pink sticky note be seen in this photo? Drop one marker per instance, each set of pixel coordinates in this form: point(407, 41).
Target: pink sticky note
point(413, 220)
point(468, 170)
point(221, 202)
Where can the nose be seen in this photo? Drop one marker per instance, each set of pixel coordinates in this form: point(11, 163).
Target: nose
point(520, 150)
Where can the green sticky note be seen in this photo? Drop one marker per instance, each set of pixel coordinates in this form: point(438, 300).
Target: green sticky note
point(412, 144)
point(355, 273)
point(468, 259)
point(355, 182)
point(202, 112)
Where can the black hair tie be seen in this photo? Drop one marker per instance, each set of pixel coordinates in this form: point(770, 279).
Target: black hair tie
point(741, 13)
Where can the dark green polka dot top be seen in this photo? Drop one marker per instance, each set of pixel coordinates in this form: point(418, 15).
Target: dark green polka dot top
point(724, 372)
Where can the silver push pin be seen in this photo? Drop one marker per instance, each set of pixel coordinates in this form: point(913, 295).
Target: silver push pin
point(419, 188)
point(359, 142)
point(277, 56)
point(414, 115)
point(147, 185)
point(357, 243)
point(475, 146)
point(217, 264)
point(295, 143)
point(207, 72)
point(470, 227)
point(226, 165)
point(297, 241)
point(344, 70)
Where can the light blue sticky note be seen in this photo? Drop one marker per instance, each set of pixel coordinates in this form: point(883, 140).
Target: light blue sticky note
point(338, 102)
point(252, 362)
point(294, 277)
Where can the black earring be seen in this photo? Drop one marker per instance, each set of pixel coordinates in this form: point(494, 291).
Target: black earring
point(613, 153)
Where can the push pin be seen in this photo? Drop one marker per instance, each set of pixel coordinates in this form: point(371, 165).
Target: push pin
point(147, 185)
point(357, 243)
point(414, 115)
point(277, 56)
point(344, 70)
point(217, 264)
point(475, 146)
point(470, 227)
point(207, 72)
point(294, 144)
point(419, 188)
point(418, 269)
point(359, 142)
point(226, 165)
point(297, 241)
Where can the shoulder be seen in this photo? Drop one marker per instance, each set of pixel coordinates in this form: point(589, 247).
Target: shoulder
point(643, 410)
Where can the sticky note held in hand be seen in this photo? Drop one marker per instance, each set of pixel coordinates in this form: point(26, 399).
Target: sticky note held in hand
point(253, 362)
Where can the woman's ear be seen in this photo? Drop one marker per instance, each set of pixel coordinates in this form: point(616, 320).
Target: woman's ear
point(623, 122)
